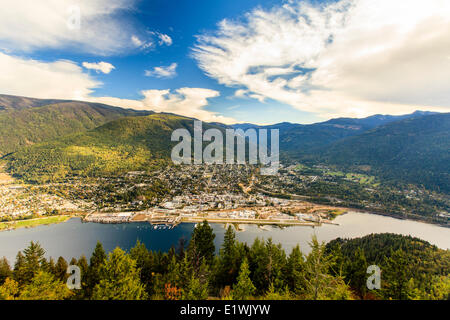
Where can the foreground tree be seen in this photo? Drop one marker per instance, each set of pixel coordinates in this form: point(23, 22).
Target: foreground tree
point(29, 263)
point(5, 270)
point(295, 271)
point(97, 260)
point(396, 276)
point(244, 287)
point(61, 269)
point(119, 279)
point(356, 272)
point(9, 289)
point(201, 245)
point(229, 260)
point(44, 286)
point(320, 284)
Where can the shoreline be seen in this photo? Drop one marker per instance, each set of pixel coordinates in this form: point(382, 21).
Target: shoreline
point(20, 224)
point(35, 222)
point(385, 214)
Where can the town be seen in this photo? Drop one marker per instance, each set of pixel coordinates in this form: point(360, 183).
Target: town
point(296, 195)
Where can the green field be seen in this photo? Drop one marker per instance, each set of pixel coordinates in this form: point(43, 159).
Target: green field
point(33, 222)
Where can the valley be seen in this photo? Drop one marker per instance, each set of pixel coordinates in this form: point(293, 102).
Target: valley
point(116, 163)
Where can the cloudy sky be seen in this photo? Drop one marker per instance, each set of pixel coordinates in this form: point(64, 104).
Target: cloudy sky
point(260, 61)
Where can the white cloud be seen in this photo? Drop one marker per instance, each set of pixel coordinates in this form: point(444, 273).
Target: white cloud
point(104, 67)
point(66, 80)
point(161, 39)
point(61, 79)
point(190, 102)
point(163, 72)
point(28, 25)
point(353, 57)
point(164, 39)
point(140, 43)
point(136, 41)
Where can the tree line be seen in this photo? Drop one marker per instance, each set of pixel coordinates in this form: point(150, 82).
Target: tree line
point(411, 269)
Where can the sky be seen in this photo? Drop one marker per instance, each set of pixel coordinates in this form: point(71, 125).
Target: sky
point(233, 61)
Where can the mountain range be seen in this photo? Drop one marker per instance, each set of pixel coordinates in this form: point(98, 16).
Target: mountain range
point(47, 139)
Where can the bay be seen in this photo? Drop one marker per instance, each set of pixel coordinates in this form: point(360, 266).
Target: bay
point(75, 238)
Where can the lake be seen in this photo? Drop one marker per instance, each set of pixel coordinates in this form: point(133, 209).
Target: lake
point(75, 238)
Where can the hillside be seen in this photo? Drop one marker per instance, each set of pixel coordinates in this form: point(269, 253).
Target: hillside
point(411, 268)
point(26, 126)
point(414, 150)
point(10, 103)
point(126, 144)
point(298, 141)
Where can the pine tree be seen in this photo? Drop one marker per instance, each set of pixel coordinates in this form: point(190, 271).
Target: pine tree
point(97, 260)
point(395, 276)
point(50, 266)
point(30, 263)
point(73, 262)
point(356, 272)
point(144, 262)
point(196, 290)
point(84, 269)
point(202, 245)
point(44, 286)
point(5, 270)
point(320, 284)
point(61, 269)
point(229, 260)
point(19, 269)
point(9, 289)
point(295, 271)
point(267, 261)
point(98, 256)
point(119, 279)
point(244, 288)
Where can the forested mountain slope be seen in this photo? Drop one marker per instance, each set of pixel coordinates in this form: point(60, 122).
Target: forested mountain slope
point(126, 144)
point(25, 126)
point(414, 150)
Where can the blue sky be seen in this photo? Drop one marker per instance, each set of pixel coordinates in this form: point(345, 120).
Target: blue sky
point(259, 61)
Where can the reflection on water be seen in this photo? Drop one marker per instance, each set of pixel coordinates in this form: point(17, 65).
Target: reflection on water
point(74, 238)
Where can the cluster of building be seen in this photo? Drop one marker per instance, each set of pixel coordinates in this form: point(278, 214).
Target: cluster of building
point(20, 201)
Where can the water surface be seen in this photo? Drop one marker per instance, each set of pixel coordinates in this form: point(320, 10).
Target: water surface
point(75, 238)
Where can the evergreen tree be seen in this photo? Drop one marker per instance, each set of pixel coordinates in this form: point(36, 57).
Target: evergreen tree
point(44, 286)
point(98, 256)
point(273, 294)
point(144, 262)
point(196, 290)
point(295, 271)
point(73, 262)
point(61, 269)
point(84, 269)
point(30, 263)
point(244, 287)
point(97, 260)
point(267, 262)
point(320, 284)
point(201, 245)
point(19, 268)
point(9, 289)
point(229, 260)
point(356, 272)
point(50, 266)
point(119, 279)
point(5, 270)
point(395, 276)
